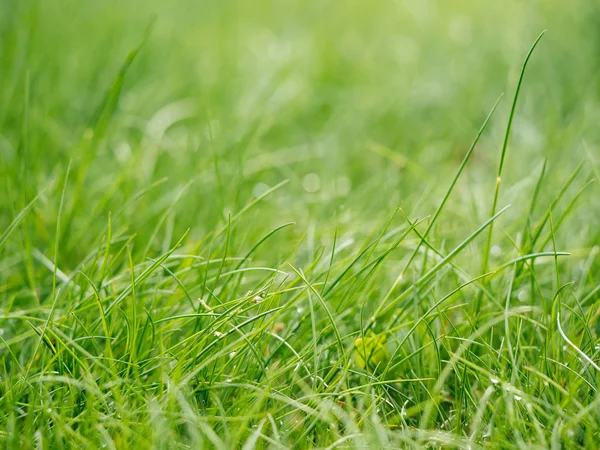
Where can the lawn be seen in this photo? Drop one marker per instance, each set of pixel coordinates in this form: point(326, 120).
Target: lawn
point(299, 224)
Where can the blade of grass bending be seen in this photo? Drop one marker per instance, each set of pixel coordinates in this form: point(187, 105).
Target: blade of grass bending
point(564, 215)
point(577, 349)
point(17, 220)
point(101, 121)
point(429, 311)
point(140, 278)
point(250, 253)
point(559, 196)
point(54, 296)
point(486, 250)
point(335, 235)
point(534, 198)
point(236, 217)
point(463, 274)
point(375, 263)
point(134, 320)
point(327, 311)
point(447, 195)
point(425, 278)
point(428, 415)
point(534, 232)
point(462, 245)
point(108, 346)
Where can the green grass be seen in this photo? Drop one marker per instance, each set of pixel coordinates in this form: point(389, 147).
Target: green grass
point(207, 208)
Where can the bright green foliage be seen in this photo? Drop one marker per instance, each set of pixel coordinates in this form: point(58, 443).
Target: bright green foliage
point(299, 224)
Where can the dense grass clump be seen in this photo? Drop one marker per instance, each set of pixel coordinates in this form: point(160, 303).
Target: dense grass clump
point(299, 224)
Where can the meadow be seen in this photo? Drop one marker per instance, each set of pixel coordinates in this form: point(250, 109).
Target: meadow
point(299, 224)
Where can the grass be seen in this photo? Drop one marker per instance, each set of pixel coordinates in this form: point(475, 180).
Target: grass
point(208, 208)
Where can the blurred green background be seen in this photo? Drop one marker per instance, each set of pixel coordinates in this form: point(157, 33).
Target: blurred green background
point(358, 108)
point(362, 106)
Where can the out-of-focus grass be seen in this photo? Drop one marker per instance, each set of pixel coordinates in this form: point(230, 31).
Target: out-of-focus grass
point(275, 142)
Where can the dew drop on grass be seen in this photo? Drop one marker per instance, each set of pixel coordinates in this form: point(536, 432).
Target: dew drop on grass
point(494, 380)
